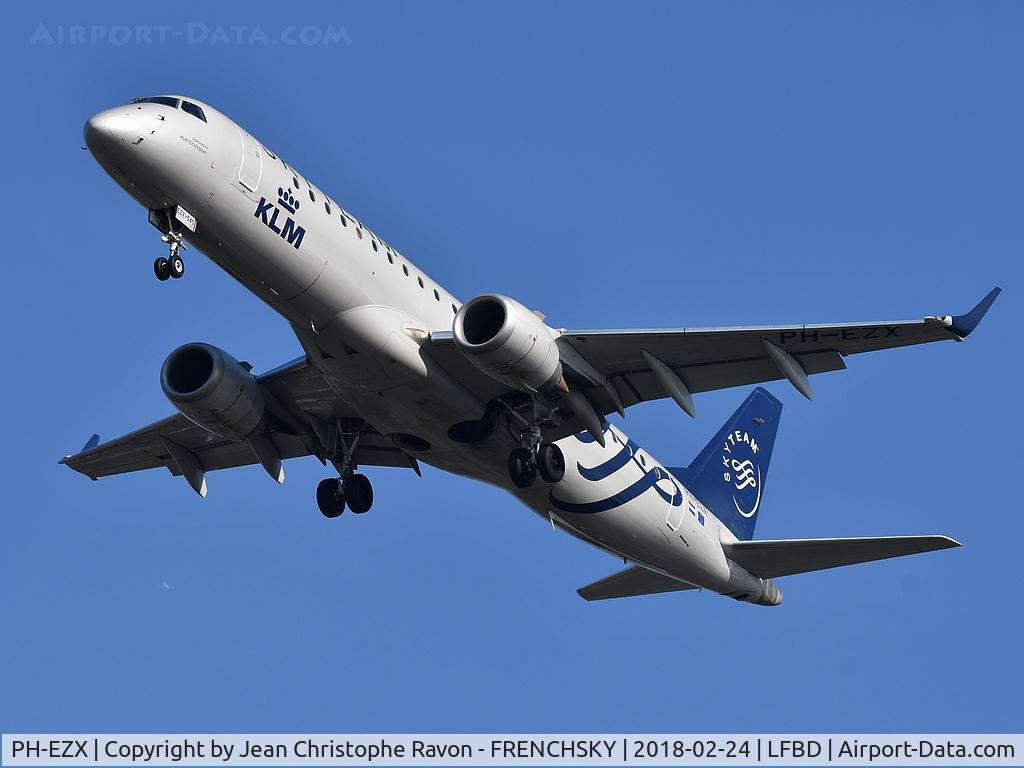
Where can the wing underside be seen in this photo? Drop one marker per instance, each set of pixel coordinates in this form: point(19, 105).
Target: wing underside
point(300, 401)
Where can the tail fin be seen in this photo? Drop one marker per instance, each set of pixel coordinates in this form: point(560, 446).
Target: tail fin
point(728, 476)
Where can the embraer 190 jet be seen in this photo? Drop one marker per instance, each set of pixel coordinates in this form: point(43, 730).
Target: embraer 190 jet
point(395, 371)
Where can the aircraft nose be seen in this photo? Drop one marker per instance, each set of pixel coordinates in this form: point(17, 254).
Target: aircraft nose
point(107, 129)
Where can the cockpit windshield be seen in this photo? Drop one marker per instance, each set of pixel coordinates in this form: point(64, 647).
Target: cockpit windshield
point(193, 109)
point(167, 101)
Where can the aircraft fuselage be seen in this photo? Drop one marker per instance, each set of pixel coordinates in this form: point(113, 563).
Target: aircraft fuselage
point(353, 296)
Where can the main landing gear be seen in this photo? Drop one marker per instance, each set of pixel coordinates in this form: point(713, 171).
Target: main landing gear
point(333, 494)
point(536, 458)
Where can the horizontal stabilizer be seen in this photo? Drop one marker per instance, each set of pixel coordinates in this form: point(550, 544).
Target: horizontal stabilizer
point(630, 583)
point(771, 559)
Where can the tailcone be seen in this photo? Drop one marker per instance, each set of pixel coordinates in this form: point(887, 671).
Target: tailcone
point(748, 588)
point(772, 595)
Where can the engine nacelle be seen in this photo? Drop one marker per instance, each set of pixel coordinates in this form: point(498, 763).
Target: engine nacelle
point(213, 390)
point(508, 342)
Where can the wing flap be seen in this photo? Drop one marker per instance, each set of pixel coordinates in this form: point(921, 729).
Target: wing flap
point(770, 559)
point(632, 582)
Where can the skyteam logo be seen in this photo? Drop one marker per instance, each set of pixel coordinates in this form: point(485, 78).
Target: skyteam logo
point(269, 214)
point(742, 471)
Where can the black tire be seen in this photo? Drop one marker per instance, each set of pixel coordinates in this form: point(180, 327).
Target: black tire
point(521, 468)
point(176, 267)
point(162, 269)
point(329, 497)
point(359, 494)
point(551, 463)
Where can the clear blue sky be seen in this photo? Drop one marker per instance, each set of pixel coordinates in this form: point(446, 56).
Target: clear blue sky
point(614, 165)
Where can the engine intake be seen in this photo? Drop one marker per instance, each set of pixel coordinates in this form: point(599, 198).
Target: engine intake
point(508, 342)
point(213, 390)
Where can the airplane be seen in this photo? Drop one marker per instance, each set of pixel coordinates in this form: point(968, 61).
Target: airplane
point(395, 371)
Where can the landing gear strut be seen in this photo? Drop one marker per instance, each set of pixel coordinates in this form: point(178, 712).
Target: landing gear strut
point(340, 439)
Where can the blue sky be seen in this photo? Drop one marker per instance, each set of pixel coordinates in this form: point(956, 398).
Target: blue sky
point(614, 165)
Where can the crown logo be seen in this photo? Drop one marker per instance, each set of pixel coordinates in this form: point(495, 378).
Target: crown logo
point(286, 200)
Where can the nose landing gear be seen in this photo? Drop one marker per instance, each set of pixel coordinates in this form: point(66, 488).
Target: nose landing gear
point(173, 265)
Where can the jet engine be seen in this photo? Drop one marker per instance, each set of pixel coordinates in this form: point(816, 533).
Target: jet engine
point(508, 342)
point(212, 389)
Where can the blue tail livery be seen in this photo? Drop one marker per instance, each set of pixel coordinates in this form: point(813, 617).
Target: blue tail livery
point(728, 476)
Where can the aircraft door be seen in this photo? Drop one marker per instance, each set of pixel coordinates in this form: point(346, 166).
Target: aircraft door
point(675, 515)
point(251, 167)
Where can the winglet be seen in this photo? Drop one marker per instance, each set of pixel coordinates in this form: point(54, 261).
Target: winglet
point(91, 443)
point(962, 325)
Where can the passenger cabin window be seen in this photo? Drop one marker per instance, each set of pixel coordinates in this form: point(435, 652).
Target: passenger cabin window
point(167, 101)
point(193, 109)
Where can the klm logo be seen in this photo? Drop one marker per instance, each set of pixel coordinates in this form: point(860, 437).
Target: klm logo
point(269, 213)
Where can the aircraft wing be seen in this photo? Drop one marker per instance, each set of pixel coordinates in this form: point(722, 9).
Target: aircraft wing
point(626, 367)
point(630, 583)
point(299, 400)
point(705, 359)
point(770, 559)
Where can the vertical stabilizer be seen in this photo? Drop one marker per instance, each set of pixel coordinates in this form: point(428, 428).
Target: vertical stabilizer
point(728, 476)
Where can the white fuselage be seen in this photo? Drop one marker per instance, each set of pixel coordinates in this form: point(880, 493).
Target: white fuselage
point(358, 300)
